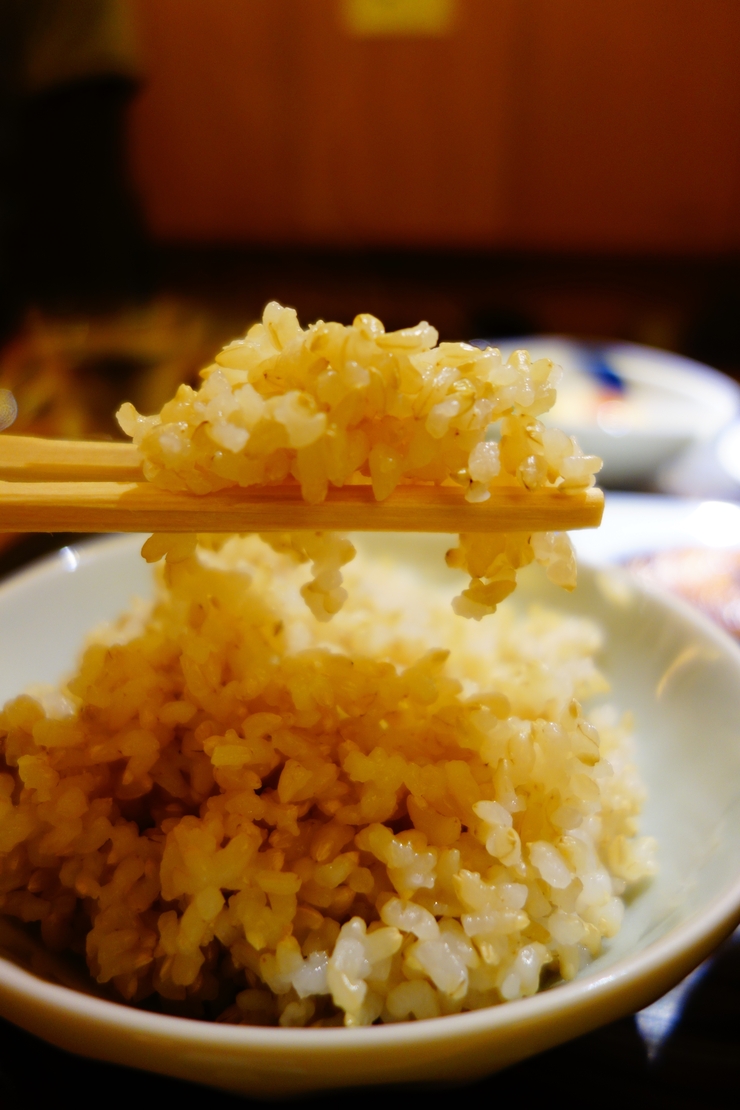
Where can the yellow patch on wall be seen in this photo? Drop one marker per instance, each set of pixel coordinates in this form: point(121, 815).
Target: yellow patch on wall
point(370, 18)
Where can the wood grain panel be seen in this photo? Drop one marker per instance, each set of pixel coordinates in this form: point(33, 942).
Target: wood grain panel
point(537, 124)
point(263, 121)
point(211, 132)
point(628, 125)
point(406, 138)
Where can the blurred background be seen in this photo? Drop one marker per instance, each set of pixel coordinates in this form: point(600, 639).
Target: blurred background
point(498, 167)
point(506, 169)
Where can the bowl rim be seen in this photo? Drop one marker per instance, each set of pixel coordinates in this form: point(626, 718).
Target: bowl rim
point(674, 954)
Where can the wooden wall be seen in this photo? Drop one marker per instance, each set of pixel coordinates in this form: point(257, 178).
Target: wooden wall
point(580, 125)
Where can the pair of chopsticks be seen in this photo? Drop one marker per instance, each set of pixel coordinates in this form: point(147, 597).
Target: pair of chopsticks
point(49, 485)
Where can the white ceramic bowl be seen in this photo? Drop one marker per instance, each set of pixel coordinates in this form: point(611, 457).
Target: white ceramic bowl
point(669, 406)
point(681, 676)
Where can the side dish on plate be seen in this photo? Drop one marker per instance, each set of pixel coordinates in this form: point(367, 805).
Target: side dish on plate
point(708, 578)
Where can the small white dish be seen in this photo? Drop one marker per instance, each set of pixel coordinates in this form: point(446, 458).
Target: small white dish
point(643, 523)
point(679, 674)
point(636, 407)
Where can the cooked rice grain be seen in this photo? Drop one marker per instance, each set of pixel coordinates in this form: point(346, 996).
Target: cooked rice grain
point(331, 405)
point(242, 812)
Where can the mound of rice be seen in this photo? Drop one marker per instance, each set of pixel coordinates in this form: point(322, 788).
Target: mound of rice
point(332, 405)
point(239, 812)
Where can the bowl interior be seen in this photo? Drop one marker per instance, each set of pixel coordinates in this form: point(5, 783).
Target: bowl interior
point(676, 672)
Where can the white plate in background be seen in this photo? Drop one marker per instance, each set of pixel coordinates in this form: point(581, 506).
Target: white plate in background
point(668, 404)
point(640, 523)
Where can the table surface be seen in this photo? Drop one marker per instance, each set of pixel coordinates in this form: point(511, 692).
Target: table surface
point(684, 1051)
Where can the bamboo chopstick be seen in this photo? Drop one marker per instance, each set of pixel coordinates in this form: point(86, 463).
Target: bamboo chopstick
point(142, 507)
point(33, 459)
point(49, 485)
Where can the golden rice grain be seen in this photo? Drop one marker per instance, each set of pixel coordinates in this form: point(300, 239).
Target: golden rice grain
point(245, 813)
point(331, 405)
